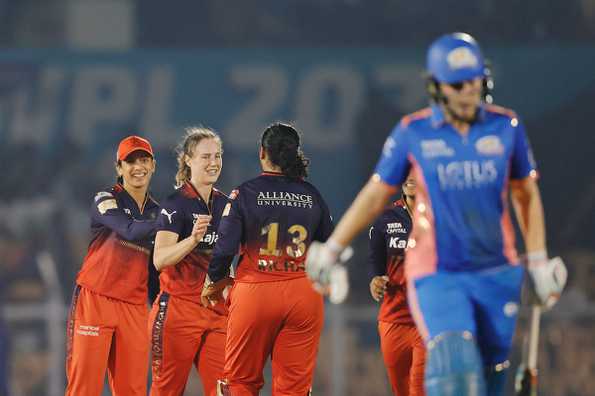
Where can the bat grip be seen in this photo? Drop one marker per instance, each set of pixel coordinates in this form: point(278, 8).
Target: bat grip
point(534, 338)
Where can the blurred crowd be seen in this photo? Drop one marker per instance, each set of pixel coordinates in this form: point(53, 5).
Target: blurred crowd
point(213, 23)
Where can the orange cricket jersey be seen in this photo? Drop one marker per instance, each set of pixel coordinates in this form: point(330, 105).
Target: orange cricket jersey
point(272, 219)
point(116, 264)
point(178, 214)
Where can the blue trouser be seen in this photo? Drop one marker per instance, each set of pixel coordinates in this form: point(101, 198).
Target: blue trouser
point(485, 303)
point(471, 315)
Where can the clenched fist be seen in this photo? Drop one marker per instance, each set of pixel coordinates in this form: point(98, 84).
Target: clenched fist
point(378, 287)
point(200, 227)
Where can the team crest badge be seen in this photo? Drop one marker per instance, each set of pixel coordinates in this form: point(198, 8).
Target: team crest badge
point(461, 58)
point(489, 145)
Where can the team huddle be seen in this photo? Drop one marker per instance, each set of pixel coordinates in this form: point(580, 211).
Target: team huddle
point(240, 275)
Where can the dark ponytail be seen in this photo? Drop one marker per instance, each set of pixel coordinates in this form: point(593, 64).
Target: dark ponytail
point(282, 145)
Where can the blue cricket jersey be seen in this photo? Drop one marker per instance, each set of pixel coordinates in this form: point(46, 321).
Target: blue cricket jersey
point(461, 218)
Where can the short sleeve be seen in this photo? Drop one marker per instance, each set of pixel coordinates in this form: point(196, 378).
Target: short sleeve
point(171, 217)
point(522, 160)
point(393, 166)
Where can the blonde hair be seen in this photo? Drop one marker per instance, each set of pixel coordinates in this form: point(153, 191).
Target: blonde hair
point(193, 136)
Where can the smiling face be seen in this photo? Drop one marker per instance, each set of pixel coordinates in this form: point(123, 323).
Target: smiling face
point(206, 162)
point(463, 98)
point(136, 170)
point(409, 187)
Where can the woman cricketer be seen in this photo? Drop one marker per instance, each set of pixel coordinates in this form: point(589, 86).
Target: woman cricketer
point(109, 313)
point(274, 310)
point(182, 331)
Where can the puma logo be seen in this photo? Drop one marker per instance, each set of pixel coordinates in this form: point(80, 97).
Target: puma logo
point(169, 215)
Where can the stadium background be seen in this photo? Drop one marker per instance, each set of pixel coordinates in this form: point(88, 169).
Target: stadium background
point(78, 75)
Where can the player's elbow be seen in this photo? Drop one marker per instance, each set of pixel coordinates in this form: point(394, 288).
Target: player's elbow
point(376, 195)
point(524, 191)
point(158, 260)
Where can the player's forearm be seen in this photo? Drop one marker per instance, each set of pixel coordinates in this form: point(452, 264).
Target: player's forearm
point(125, 227)
point(137, 230)
point(529, 211)
point(368, 204)
point(535, 237)
point(166, 256)
point(219, 267)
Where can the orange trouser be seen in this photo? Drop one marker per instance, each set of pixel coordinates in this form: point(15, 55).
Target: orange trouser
point(182, 333)
point(404, 356)
point(106, 333)
point(281, 319)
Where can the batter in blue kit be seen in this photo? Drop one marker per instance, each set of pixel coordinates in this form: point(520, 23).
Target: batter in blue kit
point(467, 284)
point(464, 277)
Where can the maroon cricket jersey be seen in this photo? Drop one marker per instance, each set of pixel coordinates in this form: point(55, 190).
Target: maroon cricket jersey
point(271, 222)
point(116, 264)
point(178, 214)
point(388, 241)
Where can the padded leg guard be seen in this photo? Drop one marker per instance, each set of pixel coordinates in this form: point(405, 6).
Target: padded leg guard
point(496, 378)
point(454, 366)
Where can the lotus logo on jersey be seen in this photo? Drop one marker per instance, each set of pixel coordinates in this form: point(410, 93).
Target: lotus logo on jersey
point(460, 175)
point(169, 215)
point(489, 145)
point(461, 58)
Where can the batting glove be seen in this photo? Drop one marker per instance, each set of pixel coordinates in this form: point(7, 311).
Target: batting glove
point(548, 277)
point(324, 268)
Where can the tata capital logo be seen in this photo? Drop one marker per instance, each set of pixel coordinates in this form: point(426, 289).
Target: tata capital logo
point(461, 58)
point(395, 228)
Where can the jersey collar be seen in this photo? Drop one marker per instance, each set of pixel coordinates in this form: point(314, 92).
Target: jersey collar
point(148, 202)
point(438, 119)
point(270, 173)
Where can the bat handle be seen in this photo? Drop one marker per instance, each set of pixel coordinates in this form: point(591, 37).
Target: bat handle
point(526, 377)
point(534, 338)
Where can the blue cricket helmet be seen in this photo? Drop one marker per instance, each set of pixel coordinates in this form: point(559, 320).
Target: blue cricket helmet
point(455, 57)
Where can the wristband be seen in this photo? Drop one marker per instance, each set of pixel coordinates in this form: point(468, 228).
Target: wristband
point(334, 247)
point(536, 258)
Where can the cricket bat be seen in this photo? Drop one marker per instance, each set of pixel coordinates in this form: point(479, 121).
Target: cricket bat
point(527, 375)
